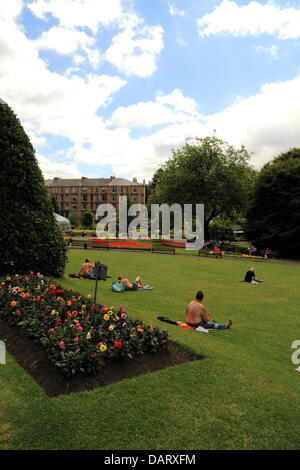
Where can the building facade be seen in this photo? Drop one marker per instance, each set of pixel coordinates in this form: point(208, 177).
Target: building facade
point(79, 195)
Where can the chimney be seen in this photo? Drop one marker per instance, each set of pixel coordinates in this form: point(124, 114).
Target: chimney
point(134, 180)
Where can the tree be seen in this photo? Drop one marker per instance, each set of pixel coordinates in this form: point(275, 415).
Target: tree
point(74, 219)
point(209, 172)
point(55, 205)
point(273, 220)
point(88, 219)
point(30, 237)
point(221, 230)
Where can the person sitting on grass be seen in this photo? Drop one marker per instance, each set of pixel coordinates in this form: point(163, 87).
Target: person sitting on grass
point(251, 278)
point(135, 285)
point(87, 270)
point(196, 315)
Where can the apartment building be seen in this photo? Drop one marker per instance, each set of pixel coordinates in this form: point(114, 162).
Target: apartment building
point(79, 195)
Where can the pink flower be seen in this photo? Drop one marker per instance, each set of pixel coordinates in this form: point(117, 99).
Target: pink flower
point(61, 344)
point(51, 331)
point(79, 327)
point(76, 339)
point(123, 316)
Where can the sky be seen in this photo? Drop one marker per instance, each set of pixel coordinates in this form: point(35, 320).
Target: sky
point(111, 87)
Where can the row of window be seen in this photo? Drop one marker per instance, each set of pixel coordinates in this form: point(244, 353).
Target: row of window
point(99, 199)
point(96, 190)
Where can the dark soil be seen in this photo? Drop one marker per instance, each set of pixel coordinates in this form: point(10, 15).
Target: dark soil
point(33, 358)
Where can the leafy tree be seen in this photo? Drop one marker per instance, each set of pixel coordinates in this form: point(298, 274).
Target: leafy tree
point(221, 230)
point(30, 237)
point(274, 215)
point(55, 205)
point(210, 172)
point(88, 219)
point(74, 219)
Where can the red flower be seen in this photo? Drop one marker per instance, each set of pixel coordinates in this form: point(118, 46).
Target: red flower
point(76, 339)
point(118, 344)
point(52, 292)
point(121, 309)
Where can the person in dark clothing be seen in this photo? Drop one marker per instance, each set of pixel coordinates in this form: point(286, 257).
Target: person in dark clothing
point(251, 278)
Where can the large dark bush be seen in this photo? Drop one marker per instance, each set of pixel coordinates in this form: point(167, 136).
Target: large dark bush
point(274, 215)
point(30, 237)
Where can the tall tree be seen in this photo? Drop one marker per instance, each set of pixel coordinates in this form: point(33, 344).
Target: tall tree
point(88, 219)
point(274, 215)
point(208, 171)
point(55, 205)
point(30, 237)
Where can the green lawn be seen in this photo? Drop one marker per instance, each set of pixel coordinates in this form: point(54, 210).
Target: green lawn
point(243, 395)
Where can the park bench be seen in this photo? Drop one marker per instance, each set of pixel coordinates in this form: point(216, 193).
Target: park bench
point(209, 252)
point(88, 244)
point(162, 249)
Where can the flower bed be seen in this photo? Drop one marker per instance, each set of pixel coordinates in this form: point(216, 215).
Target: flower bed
point(120, 243)
point(79, 335)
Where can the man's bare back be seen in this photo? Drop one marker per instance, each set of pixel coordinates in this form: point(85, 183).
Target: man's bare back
point(196, 312)
point(196, 315)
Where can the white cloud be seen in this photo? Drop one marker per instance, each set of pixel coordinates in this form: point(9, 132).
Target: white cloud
point(167, 109)
point(252, 19)
point(174, 11)
point(179, 101)
point(147, 115)
point(52, 169)
point(58, 104)
point(10, 10)
point(271, 51)
point(80, 13)
point(135, 52)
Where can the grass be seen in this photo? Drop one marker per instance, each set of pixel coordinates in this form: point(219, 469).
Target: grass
point(243, 395)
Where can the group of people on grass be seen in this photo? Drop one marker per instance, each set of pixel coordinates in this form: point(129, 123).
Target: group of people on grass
point(196, 314)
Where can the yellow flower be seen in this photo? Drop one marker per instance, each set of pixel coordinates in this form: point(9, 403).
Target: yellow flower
point(8, 278)
point(42, 282)
point(106, 317)
point(88, 336)
point(111, 327)
point(54, 312)
point(89, 296)
point(117, 318)
point(103, 347)
point(83, 306)
point(110, 312)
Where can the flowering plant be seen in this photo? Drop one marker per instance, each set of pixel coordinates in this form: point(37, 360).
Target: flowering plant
point(78, 334)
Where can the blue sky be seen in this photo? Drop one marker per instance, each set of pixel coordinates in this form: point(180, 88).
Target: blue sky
point(110, 87)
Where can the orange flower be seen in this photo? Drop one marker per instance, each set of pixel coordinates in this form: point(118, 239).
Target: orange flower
point(13, 303)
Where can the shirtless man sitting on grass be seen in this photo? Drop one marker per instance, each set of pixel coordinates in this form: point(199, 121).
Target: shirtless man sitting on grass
point(86, 268)
point(196, 315)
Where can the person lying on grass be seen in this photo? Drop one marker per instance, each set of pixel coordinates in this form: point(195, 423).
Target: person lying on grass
point(196, 315)
point(87, 269)
point(250, 277)
point(135, 285)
